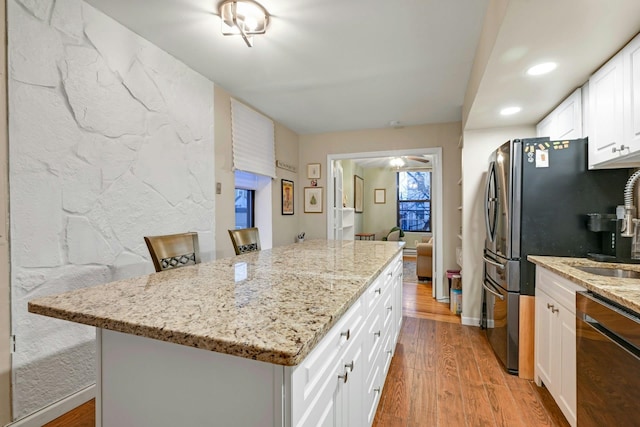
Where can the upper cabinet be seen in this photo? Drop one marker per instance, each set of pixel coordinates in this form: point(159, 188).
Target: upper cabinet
point(565, 122)
point(614, 111)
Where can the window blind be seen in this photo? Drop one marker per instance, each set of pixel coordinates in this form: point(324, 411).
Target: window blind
point(253, 140)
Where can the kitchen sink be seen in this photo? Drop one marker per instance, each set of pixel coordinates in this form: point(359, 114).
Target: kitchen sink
point(610, 272)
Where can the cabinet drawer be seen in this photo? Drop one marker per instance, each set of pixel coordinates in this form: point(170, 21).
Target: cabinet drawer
point(311, 374)
point(558, 288)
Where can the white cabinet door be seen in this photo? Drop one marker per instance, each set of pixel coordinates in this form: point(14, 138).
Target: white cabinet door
point(568, 117)
point(631, 63)
point(545, 127)
point(565, 121)
point(605, 115)
point(567, 393)
point(352, 405)
point(544, 348)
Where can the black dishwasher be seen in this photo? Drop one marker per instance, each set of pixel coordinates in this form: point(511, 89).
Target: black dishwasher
point(608, 363)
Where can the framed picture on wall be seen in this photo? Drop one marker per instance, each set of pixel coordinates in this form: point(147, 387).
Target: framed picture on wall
point(358, 193)
point(380, 195)
point(313, 171)
point(287, 197)
point(312, 199)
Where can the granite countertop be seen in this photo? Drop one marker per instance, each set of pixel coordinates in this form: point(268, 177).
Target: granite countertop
point(625, 292)
point(273, 305)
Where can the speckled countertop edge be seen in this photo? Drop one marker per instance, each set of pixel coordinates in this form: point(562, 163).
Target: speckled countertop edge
point(625, 292)
point(274, 305)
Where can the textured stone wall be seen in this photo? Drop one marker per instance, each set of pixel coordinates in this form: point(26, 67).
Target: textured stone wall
point(111, 139)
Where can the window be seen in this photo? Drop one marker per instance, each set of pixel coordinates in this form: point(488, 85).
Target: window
point(414, 200)
point(244, 208)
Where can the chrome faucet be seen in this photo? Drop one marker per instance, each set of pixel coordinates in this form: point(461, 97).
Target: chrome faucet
point(628, 224)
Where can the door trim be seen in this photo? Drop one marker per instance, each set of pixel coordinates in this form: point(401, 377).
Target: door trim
point(437, 203)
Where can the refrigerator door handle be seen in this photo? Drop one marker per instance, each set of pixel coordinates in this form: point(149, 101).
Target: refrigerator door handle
point(486, 284)
point(495, 264)
point(489, 200)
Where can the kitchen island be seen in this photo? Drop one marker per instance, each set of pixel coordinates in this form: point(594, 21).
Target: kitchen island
point(296, 335)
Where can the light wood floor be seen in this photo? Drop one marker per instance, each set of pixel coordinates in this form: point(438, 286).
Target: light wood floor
point(443, 374)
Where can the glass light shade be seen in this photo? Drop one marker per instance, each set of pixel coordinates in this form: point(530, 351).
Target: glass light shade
point(250, 17)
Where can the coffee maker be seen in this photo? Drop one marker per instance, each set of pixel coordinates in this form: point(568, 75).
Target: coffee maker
point(615, 248)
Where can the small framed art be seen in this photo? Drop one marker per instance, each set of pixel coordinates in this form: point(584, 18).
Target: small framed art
point(380, 196)
point(287, 197)
point(313, 171)
point(313, 199)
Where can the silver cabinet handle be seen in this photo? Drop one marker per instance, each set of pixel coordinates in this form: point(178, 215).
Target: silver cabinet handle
point(377, 334)
point(347, 334)
point(555, 310)
point(622, 148)
point(492, 262)
point(344, 377)
point(549, 305)
point(389, 351)
point(376, 390)
point(350, 366)
point(378, 291)
point(390, 308)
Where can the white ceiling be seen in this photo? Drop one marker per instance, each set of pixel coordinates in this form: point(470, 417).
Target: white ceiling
point(410, 162)
point(333, 65)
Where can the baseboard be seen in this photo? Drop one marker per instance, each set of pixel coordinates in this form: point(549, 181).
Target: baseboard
point(470, 321)
point(55, 410)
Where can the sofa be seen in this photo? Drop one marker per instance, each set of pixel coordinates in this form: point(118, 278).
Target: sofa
point(424, 259)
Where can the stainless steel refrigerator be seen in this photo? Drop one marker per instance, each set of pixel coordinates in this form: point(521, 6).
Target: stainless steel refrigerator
point(538, 194)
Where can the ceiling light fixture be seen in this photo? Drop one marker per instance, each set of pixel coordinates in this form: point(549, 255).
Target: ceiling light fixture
point(244, 18)
point(396, 162)
point(544, 68)
point(510, 110)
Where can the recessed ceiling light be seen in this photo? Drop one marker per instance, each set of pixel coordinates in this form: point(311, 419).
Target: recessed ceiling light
point(544, 68)
point(510, 110)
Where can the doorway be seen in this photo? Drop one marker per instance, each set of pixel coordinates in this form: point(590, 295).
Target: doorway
point(437, 211)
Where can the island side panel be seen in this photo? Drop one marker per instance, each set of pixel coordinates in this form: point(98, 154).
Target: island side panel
point(139, 378)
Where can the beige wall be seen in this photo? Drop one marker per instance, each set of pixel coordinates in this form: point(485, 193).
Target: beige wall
point(315, 148)
point(285, 227)
point(478, 145)
point(380, 218)
point(5, 325)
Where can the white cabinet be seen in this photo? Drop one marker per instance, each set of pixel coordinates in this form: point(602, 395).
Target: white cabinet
point(340, 382)
point(605, 112)
point(555, 339)
point(631, 83)
point(565, 121)
point(614, 111)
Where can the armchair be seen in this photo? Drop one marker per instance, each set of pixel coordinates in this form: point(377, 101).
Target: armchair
point(395, 234)
point(424, 259)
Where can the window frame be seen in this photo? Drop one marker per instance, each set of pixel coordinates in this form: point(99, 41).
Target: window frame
point(251, 203)
point(399, 202)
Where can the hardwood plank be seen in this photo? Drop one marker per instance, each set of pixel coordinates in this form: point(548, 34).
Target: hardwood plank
point(424, 402)
point(477, 408)
point(82, 416)
point(427, 347)
point(552, 409)
point(389, 421)
point(447, 380)
point(533, 412)
point(398, 389)
point(490, 368)
point(505, 411)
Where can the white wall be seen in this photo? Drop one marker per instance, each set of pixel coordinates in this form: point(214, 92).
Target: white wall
point(111, 139)
point(478, 145)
